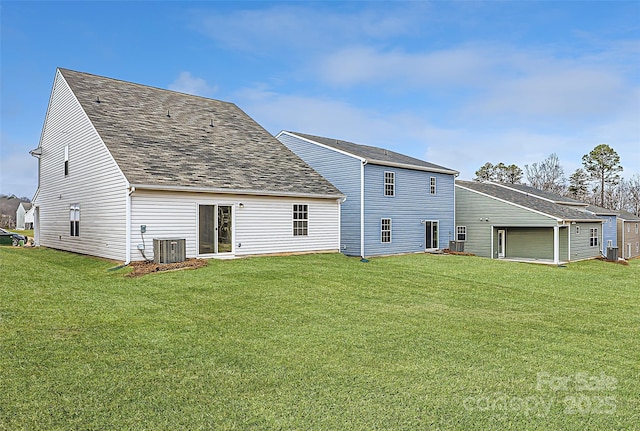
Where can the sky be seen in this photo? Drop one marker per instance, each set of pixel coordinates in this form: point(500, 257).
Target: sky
point(458, 84)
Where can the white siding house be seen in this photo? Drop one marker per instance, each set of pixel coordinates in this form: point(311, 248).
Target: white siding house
point(115, 156)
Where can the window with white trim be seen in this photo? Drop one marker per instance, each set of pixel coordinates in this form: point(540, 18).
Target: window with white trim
point(66, 161)
point(385, 230)
point(609, 243)
point(628, 227)
point(636, 227)
point(593, 237)
point(389, 183)
point(461, 233)
point(74, 220)
point(637, 247)
point(432, 185)
point(300, 219)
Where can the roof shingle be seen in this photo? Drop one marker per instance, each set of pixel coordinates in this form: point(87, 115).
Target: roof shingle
point(165, 138)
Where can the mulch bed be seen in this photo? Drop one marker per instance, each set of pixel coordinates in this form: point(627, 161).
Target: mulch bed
point(457, 253)
point(618, 261)
point(143, 268)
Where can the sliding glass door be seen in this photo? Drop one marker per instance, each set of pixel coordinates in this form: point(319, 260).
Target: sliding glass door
point(215, 229)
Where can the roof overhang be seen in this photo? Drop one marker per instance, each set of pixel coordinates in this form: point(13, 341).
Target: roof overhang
point(270, 193)
point(413, 167)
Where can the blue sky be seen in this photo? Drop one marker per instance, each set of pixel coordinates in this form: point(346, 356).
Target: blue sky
point(455, 83)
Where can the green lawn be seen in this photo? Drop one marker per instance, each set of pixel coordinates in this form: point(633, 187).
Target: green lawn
point(320, 342)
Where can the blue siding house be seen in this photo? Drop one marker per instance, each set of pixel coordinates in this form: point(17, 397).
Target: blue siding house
point(394, 203)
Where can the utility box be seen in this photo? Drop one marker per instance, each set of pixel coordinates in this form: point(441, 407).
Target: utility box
point(169, 250)
point(456, 246)
point(612, 253)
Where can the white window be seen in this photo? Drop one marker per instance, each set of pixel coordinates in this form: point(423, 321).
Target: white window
point(432, 185)
point(593, 237)
point(385, 230)
point(628, 227)
point(389, 183)
point(609, 243)
point(461, 232)
point(577, 230)
point(74, 220)
point(636, 227)
point(637, 247)
point(66, 161)
point(300, 220)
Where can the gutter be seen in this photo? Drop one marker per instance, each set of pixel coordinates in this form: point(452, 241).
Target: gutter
point(235, 191)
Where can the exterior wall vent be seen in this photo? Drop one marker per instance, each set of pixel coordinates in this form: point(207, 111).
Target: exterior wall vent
point(169, 250)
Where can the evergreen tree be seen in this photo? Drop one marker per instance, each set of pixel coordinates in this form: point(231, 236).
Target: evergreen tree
point(603, 165)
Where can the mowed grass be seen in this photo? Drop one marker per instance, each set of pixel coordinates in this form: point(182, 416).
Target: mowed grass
point(318, 342)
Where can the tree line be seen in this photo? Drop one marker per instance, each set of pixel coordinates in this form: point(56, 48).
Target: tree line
point(597, 182)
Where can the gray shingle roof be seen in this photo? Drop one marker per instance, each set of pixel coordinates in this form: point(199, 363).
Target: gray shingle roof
point(375, 155)
point(601, 211)
point(627, 216)
point(545, 194)
point(555, 210)
point(165, 138)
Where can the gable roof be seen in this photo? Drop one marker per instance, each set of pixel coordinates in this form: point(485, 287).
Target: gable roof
point(627, 216)
point(26, 205)
point(534, 203)
point(376, 155)
point(544, 194)
point(165, 139)
point(601, 211)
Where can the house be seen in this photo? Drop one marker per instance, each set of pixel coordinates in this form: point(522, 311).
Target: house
point(121, 164)
point(498, 221)
point(628, 235)
point(24, 216)
point(394, 203)
point(608, 217)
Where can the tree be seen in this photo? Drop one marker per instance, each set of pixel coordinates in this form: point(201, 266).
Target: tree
point(603, 165)
point(547, 175)
point(500, 173)
point(578, 185)
point(633, 185)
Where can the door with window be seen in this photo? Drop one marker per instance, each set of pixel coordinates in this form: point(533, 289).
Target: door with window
point(431, 234)
point(502, 243)
point(215, 229)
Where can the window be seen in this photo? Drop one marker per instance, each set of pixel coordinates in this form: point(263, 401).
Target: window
point(385, 230)
point(636, 227)
point(66, 161)
point(609, 243)
point(389, 183)
point(593, 237)
point(637, 247)
point(300, 220)
point(461, 233)
point(628, 227)
point(432, 185)
point(74, 220)
point(577, 230)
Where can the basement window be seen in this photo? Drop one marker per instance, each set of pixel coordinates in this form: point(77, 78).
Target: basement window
point(300, 220)
point(74, 220)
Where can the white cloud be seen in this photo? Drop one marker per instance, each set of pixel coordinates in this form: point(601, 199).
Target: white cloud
point(187, 83)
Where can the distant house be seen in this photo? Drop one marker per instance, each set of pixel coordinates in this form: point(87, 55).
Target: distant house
point(121, 164)
point(500, 222)
point(628, 235)
point(394, 203)
point(24, 216)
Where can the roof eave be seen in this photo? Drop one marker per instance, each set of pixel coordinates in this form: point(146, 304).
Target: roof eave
point(165, 188)
point(413, 167)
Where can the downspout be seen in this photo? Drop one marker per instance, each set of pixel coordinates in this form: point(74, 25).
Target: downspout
point(556, 244)
point(364, 162)
point(569, 245)
point(492, 229)
point(130, 191)
point(622, 245)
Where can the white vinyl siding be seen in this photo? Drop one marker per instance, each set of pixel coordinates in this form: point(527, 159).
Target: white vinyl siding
point(261, 225)
point(95, 182)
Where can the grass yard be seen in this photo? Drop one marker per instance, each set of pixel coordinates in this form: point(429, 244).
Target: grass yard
point(320, 342)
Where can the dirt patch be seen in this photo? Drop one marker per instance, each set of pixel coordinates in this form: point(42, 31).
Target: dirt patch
point(618, 261)
point(143, 268)
point(457, 253)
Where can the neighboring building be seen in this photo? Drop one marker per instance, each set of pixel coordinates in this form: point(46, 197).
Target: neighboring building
point(608, 217)
point(24, 216)
point(497, 221)
point(118, 158)
point(628, 235)
point(394, 203)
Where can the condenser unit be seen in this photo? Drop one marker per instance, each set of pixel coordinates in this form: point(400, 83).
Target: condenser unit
point(169, 250)
point(456, 246)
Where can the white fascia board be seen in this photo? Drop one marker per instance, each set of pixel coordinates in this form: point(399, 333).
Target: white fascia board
point(235, 191)
point(321, 145)
point(412, 167)
point(511, 203)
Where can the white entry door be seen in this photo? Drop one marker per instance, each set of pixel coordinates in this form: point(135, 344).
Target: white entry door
point(502, 243)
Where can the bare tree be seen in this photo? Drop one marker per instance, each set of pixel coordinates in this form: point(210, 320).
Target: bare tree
point(547, 175)
point(633, 187)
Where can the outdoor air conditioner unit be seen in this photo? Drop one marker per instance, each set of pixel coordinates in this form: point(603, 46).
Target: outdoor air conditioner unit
point(456, 246)
point(169, 250)
point(612, 253)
